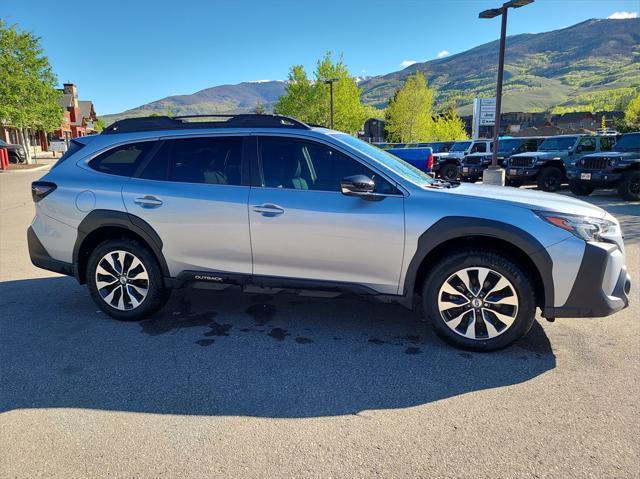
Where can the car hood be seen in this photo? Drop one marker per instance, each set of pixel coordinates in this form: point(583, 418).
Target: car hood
point(541, 154)
point(625, 155)
point(530, 199)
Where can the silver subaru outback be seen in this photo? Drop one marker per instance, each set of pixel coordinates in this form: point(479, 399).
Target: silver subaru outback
point(158, 203)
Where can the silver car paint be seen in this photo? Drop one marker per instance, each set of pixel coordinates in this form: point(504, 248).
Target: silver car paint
point(57, 218)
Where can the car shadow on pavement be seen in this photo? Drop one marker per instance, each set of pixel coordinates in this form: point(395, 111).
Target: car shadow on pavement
point(227, 353)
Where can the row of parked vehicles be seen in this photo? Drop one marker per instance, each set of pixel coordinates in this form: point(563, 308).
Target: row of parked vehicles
point(585, 162)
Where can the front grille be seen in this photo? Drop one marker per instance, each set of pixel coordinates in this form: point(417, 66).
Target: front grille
point(521, 162)
point(472, 160)
point(598, 163)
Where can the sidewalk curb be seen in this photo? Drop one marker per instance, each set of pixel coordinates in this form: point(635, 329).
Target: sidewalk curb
point(37, 168)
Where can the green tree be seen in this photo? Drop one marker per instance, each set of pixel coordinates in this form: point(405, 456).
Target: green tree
point(99, 125)
point(298, 99)
point(409, 116)
point(632, 113)
point(28, 94)
point(309, 101)
point(449, 126)
point(260, 109)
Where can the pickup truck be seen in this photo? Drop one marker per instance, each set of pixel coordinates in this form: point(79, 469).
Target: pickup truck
point(548, 166)
point(420, 157)
point(447, 165)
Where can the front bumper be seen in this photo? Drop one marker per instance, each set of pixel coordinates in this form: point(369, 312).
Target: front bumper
point(521, 174)
point(594, 177)
point(472, 171)
point(601, 288)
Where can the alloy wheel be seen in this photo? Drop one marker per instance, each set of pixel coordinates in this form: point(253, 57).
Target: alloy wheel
point(478, 303)
point(122, 280)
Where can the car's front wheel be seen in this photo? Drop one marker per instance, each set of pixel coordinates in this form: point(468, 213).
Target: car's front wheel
point(629, 186)
point(125, 280)
point(580, 189)
point(550, 179)
point(449, 172)
point(479, 300)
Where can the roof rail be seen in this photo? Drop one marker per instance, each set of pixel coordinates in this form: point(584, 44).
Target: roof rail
point(245, 120)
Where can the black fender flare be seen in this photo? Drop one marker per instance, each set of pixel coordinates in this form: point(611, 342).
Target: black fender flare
point(458, 227)
point(104, 218)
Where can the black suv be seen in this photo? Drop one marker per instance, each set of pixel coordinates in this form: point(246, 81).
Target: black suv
point(612, 169)
point(473, 165)
point(16, 152)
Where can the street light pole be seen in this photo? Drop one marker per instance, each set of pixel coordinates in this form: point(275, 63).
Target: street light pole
point(330, 82)
point(495, 173)
point(496, 123)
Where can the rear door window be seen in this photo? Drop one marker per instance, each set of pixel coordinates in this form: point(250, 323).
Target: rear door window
point(209, 160)
point(122, 160)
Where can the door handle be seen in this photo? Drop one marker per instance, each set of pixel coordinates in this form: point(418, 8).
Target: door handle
point(268, 209)
point(148, 201)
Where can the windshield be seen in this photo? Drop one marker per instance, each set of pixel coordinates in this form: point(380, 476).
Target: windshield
point(460, 146)
point(628, 143)
point(558, 143)
point(508, 146)
point(3, 143)
point(439, 147)
point(394, 163)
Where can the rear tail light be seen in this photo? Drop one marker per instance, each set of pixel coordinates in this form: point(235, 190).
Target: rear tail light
point(430, 162)
point(40, 189)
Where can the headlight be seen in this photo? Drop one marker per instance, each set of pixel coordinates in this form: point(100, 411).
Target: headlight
point(586, 228)
point(613, 162)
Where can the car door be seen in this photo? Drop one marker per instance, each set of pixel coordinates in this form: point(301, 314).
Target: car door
point(194, 193)
point(304, 228)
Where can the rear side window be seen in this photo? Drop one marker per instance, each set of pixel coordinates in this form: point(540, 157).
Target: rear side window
point(74, 147)
point(210, 160)
point(122, 160)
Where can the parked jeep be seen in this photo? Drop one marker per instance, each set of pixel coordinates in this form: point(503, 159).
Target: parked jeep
point(447, 165)
point(548, 166)
point(474, 164)
point(613, 169)
point(17, 154)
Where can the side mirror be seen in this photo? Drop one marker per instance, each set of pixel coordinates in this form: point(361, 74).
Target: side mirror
point(357, 185)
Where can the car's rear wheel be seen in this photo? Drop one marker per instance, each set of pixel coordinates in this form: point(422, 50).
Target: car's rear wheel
point(629, 186)
point(580, 189)
point(125, 280)
point(449, 172)
point(479, 300)
point(550, 179)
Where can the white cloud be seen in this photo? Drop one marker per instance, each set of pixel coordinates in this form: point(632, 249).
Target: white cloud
point(622, 15)
point(443, 53)
point(407, 63)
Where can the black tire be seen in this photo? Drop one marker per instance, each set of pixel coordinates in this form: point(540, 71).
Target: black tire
point(514, 183)
point(550, 179)
point(629, 186)
point(580, 189)
point(524, 314)
point(156, 294)
point(449, 172)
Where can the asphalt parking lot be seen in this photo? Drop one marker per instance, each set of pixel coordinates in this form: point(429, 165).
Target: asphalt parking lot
point(226, 384)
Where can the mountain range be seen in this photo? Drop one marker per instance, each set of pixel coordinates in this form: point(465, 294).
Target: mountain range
point(595, 59)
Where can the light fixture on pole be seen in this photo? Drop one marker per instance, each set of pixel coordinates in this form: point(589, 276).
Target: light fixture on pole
point(330, 82)
point(492, 13)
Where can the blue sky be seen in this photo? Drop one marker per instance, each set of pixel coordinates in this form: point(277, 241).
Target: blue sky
point(122, 54)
